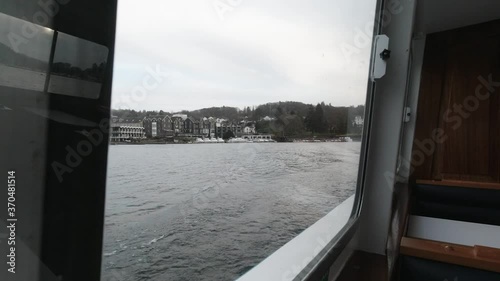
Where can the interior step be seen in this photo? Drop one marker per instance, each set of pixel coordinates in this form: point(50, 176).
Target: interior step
point(479, 257)
point(458, 183)
point(366, 267)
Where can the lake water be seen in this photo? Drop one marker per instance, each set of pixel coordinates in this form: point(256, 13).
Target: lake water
point(213, 211)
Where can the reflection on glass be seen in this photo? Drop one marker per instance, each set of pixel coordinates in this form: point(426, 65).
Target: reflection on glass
point(24, 53)
point(78, 67)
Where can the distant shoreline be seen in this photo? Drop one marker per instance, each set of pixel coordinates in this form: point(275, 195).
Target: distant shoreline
point(352, 138)
point(180, 143)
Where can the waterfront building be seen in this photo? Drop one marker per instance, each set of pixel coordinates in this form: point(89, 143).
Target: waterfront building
point(198, 126)
point(183, 125)
point(236, 129)
point(189, 126)
point(158, 126)
point(249, 129)
point(358, 121)
point(126, 130)
point(177, 125)
point(183, 116)
point(212, 127)
point(205, 127)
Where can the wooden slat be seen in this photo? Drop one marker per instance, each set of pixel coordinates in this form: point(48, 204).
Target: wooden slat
point(453, 145)
point(476, 257)
point(487, 252)
point(469, 184)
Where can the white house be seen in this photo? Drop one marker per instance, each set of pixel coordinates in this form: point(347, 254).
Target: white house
point(358, 121)
point(249, 130)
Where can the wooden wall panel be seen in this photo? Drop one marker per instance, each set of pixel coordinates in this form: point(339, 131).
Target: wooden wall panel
point(449, 101)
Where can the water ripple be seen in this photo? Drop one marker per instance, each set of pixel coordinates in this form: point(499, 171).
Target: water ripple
point(212, 212)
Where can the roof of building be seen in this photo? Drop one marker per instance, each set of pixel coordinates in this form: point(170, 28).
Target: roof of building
point(125, 120)
point(183, 116)
point(156, 117)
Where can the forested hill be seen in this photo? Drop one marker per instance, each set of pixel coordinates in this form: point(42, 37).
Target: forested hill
point(251, 113)
point(289, 117)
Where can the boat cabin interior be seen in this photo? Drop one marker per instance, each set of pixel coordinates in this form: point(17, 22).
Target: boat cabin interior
point(445, 208)
point(429, 202)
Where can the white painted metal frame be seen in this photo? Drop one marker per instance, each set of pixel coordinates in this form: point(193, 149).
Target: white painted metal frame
point(386, 128)
point(291, 259)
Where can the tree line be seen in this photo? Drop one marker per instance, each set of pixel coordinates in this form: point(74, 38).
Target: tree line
point(289, 118)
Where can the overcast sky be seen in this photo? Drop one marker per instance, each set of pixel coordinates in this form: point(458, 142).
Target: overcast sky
point(254, 52)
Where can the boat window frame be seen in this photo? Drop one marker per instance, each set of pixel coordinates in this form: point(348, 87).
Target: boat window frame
point(319, 267)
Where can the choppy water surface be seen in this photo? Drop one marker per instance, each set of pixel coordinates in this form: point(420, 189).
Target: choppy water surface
point(213, 211)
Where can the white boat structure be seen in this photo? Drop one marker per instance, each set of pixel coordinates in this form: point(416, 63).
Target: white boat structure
point(345, 139)
point(238, 140)
point(264, 140)
point(244, 139)
point(207, 140)
point(259, 138)
point(247, 140)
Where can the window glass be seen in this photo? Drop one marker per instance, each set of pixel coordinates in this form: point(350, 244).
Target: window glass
point(78, 67)
point(56, 138)
point(24, 53)
point(252, 115)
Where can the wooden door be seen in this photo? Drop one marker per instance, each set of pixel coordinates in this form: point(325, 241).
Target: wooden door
point(459, 102)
